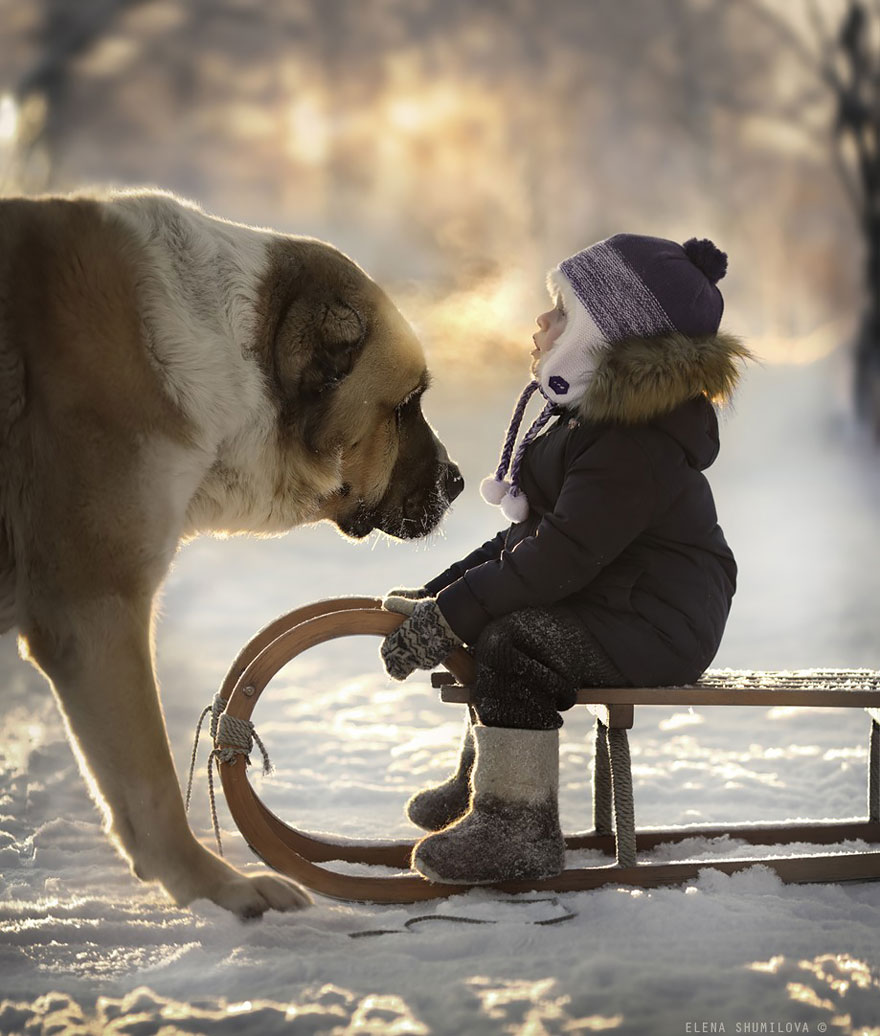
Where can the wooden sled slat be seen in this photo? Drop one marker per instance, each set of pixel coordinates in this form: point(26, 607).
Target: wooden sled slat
point(317, 629)
point(322, 850)
point(410, 889)
point(281, 857)
point(317, 849)
point(299, 854)
point(282, 624)
point(793, 870)
point(775, 695)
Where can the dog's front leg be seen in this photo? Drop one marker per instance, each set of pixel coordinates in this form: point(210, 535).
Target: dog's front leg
point(97, 656)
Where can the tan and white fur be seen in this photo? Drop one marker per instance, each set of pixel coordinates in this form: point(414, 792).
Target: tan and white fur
point(165, 373)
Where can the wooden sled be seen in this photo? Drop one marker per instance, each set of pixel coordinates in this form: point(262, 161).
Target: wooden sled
point(299, 855)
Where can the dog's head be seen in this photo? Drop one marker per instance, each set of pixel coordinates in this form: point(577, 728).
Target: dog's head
point(348, 375)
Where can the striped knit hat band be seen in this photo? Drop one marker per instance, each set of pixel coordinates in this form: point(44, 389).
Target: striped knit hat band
point(619, 301)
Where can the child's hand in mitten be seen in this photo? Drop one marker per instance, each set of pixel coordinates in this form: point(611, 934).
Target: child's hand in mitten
point(403, 600)
point(422, 641)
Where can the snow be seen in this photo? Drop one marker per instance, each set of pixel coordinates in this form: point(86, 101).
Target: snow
point(85, 948)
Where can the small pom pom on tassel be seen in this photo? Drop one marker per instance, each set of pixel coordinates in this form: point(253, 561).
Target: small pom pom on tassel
point(706, 256)
point(493, 490)
point(515, 508)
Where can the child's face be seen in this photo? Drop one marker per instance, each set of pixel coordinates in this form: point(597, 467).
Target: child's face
point(550, 326)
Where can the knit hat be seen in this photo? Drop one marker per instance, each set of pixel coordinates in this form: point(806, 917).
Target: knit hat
point(627, 286)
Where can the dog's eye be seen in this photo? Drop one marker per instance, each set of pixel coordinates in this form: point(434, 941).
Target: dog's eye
point(412, 403)
point(409, 404)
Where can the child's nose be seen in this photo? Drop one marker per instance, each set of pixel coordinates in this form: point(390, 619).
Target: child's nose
point(543, 321)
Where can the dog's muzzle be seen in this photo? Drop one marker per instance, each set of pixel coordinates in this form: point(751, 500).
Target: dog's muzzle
point(416, 515)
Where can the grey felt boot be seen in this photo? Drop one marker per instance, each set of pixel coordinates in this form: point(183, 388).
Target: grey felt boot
point(435, 807)
point(511, 830)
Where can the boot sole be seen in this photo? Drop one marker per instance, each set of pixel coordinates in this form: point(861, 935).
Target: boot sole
point(432, 875)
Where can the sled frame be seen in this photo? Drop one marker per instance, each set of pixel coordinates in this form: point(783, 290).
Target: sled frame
point(300, 855)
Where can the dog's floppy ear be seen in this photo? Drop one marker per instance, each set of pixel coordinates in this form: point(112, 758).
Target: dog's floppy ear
point(342, 335)
point(315, 353)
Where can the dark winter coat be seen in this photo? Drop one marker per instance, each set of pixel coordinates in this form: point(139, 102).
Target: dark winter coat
point(622, 528)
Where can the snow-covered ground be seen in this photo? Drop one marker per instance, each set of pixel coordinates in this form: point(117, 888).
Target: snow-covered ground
point(86, 948)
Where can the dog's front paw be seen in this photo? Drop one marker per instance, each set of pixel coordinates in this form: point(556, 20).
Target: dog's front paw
point(206, 876)
point(250, 898)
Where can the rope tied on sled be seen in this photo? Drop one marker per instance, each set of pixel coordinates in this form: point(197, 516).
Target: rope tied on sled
point(232, 737)
point(613, 809)
point(215, 708)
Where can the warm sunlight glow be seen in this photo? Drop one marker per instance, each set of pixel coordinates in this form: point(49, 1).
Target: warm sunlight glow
point(798, 350)
point(769, 966)
point(8, 118)
point(309, 138)
point(535, 1002)
point(481, 326)
point(425, 110)
point(406, 114)
point(807, 995)
point(840, 971)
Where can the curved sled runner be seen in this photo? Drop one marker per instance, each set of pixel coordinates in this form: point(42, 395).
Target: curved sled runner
point(299, 855)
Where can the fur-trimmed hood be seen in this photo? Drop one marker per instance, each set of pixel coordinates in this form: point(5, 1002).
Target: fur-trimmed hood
point(640, 379)
point(634, 381)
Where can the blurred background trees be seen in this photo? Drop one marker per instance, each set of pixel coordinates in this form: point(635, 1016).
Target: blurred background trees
point(458, 150)
point(838, 103)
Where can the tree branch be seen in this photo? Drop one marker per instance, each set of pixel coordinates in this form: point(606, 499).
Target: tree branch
point(851, 186)
point(67, 37)
point(825, 40)
point(820, 67)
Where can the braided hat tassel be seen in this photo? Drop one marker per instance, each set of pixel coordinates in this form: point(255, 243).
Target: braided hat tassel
point(497, 489)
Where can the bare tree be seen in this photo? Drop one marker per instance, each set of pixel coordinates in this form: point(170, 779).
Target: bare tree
point(841, 56)
point(67, 31)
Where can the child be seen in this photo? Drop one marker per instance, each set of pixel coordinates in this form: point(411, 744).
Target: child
point(614, 571)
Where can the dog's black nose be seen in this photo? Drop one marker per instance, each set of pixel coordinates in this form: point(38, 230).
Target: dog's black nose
point(453, 483)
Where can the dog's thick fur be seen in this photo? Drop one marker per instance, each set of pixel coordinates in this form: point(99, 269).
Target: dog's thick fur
point(164, 373)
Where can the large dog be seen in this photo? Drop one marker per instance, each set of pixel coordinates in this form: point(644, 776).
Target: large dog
point(164, 373)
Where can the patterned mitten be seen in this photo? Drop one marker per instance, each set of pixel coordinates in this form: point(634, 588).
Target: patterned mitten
point(422, 641)
point(404, 601)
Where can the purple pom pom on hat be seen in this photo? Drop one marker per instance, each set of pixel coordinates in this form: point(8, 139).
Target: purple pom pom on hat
point(706, 256)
